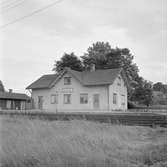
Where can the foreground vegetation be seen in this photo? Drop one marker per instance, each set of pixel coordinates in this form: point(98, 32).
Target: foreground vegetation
point(36, 143)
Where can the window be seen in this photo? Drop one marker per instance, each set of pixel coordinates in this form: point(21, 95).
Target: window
point(67, 98)
point(122, 100)
point(40, 102)
point(83, 98)
point(54, 99)
point(114, 98)
point(96, 101)
point(67, 80)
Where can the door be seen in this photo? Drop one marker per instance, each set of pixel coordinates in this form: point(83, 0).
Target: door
point(9, 104)
point(40, 102)
point(3, 104)
point(96, 101)
point(17, 105)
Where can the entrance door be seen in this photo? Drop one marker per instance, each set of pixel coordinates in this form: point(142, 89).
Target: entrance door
point(40, 102)
point(17, 105)
point(96, 101)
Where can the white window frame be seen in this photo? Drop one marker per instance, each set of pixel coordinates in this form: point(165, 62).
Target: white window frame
point(114, 98)
point(68, 98)
point(54, 98)
point(123, 100)
point(82, 96)
point(67, 80)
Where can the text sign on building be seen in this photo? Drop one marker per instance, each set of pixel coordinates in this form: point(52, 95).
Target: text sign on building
point(65, 90)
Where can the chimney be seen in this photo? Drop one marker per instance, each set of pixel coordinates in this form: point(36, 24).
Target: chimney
point(10, 90)
point(92, 67)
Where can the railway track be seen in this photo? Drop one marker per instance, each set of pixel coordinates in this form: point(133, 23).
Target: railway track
point(136, 119)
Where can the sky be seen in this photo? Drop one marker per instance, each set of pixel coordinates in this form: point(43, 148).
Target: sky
point(30, 46)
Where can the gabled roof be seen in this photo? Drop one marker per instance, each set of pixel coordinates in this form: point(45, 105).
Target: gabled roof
point(100, 77)
point(43, 82)
point(14, 96)
point(86, 78)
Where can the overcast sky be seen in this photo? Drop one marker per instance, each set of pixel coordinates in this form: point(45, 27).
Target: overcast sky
point(30, 46)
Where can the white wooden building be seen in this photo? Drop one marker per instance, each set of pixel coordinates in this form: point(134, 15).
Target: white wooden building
point(88, 91)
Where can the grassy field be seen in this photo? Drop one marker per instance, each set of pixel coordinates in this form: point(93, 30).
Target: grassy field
point(37, 143)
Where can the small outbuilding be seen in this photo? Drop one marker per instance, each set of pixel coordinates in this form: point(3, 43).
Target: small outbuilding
point(13, 101)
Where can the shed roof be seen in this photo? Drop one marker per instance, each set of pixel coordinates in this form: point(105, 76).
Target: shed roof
point(14, 96)
point(86, 78)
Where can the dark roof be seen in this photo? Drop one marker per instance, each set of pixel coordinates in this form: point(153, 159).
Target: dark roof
point(100, 77)
point(87, 78)
point(16, 96)
point(43, 82)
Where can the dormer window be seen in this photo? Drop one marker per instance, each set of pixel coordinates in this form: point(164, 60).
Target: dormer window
point(67, 80)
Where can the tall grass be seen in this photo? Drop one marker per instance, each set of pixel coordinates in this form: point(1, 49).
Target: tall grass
point(36, 143)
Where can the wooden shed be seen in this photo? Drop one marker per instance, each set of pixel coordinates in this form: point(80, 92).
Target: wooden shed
point(13, 101)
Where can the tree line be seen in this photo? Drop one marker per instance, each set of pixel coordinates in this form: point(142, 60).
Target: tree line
point(105, 57)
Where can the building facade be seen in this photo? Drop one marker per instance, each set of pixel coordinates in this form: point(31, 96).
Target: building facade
point(13, 101)
point(72, 91)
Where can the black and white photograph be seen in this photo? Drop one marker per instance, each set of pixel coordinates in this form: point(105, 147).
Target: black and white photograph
point(83, 83)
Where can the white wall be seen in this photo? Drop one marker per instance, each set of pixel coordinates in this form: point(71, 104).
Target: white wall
point(75, 89)
point(119, 90)
point(105, 92)
point(40, 92)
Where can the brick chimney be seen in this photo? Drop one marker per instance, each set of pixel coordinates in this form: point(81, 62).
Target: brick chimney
point(10, 90)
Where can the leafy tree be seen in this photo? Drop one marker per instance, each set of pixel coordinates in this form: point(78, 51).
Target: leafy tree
point(96, 54)
point(123, 58)
point(144, 93)
point(159, 87)
point(105, 57)
point(135, 85)
point(68, 60)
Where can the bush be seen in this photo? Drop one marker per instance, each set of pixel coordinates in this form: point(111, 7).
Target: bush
point(131, 105)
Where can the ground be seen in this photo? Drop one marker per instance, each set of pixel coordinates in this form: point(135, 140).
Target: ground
point(41, 143)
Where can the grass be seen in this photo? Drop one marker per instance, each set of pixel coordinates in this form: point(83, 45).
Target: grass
point(37, 143)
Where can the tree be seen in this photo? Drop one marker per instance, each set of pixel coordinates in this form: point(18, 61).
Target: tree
point(118, 58)
point(135, 87)
point(159, 87)
point(68, 60)
point(96, 54)
point(104, 57)
point(144, 93)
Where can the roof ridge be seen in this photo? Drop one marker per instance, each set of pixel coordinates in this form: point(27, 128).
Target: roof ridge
point(120, 68)
point(97, 77)
point(13, 95)
point(49, 74)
